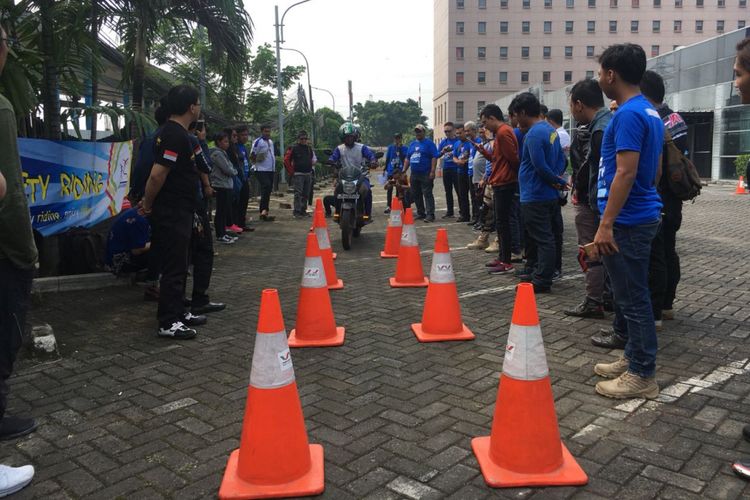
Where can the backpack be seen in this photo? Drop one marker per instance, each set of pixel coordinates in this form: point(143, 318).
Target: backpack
point(682, 176)
point(81, 251)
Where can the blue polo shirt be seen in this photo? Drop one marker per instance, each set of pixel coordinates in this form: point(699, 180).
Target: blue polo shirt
point(455, 143)
point(394, 158)
point(635, 126)
point(542, 164)
point(420, 155)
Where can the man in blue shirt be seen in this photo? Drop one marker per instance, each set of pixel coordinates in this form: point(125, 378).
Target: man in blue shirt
point(394, 159)
point(128, 243)
point(461, 153)
point(539, 178)
point(243, 135)
point(422, 158)
point(629, 172)
point(446, 150)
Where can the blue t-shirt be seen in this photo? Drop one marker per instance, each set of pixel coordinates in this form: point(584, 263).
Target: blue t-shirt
point(420, 155)
point(130, 231)
point(394, 158)
point(244, 160)
point(462, 149)
point(455, 143)
point(542, 164)
point(520, 135)
point(635, 126)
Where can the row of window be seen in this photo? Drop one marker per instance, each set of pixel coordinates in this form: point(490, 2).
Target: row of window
point(525, 52)
point(591, 26)
point(482, 4)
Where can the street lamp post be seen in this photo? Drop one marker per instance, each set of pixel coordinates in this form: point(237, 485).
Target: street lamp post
point(330, 94)
point(309, 89)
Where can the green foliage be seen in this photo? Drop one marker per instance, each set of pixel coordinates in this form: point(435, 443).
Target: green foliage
point(379, 120)
point(327, 123)
point(740, 165)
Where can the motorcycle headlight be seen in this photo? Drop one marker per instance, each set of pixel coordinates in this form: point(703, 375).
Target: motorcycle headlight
point(350, 187)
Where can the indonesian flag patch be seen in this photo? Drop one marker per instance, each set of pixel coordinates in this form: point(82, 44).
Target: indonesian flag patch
point(170, 155)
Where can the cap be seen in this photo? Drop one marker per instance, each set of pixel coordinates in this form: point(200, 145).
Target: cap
point(397, 135)
point(421, 127)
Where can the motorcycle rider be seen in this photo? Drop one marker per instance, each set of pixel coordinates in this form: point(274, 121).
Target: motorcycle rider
point(354, 155)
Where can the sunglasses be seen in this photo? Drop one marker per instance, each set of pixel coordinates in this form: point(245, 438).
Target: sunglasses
point(12, 42)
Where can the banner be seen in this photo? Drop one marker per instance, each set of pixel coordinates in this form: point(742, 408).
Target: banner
point(74, 184)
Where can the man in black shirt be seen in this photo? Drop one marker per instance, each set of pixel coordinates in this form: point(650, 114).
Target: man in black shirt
point(302, 158)
point(170, 199)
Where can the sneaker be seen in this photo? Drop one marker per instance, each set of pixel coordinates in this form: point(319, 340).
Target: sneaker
point(307, 214)
point(667, 314)
point(387, 211)
point(15, 427)
point(516, 258)
point(230, 233)
point(493, 263)
point(237, 229)
point(226, 239)
point(524, 273)
point(463, 220)
point(557, 275)
point(494, 247)
point(608, 339)
point(13, 479)
point(191, 319)
point(472, 223)
point(208, 308)
point(612, 370)
point(177, 331)
point(501, 268)
point(420, 217)
point(480, 243)
point(429, 219)
point(742, 468)
point(589, 308)
point(629, 385)
point(448, 216)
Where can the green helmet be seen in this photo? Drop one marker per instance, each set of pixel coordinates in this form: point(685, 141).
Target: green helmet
point(348, 128)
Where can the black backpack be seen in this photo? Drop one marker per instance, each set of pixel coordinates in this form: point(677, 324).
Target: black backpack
point(81, 251)
point(682, 176)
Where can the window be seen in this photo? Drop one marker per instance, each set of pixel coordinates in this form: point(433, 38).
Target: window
point(657, 3)
point(459, 110)
point(548, 27)
point(634, 26)
point(524, 77)
point(547, 52)
point(656, 26)
point(503, 26)
point(568, 76)
point(699, 26)
point(482, 53)
point(460, 28)
point(613, 4)
point(635, 4)
point(460, 53)
point(678, 26)
point(525, 52)
point(481, 77)
point(459, 77)
point(547, 4)
point(740, 24)
point(720, 26)
point(482, 4)
point(743, 3)
point(459, 4)
point(654, 50)
point(525, 27)
point(480, 106)
point(503, 4)
point(591, 26)
point(589, 74)
point(699, 3)
point(503, 52)
point(721, 3)
point(546, 77)
point(481, 27)
point(568, 51)
point(590, 51)
point(570, 4)
point(678, 4)
point(592, 4)
point(613, 26)
point(526, 4)
point(503, 77)
point(568, 26)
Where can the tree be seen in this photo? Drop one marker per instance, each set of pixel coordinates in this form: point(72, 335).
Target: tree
point(379, 120)
point(328, 122)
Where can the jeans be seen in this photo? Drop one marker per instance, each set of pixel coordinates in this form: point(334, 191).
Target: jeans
point(302, 184)
point(462, 188)
point(518, 235)
point(539, 220)
point(202, 256)
point(265, 179)
point(450, 182)
point(172, 233)
point(587, 222)
point(15, 295)
point(222, 217)
point(421, 191)
point(628, 273)
point(503, 198)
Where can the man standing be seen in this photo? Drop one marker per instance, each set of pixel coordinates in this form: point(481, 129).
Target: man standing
point(587, 108)
point(630, 205)
point(555, 118)
point(394, 159)
point(461, 154)
point(170, 199)
point(263, 158)
point(446, 150)
point(542, 162)
point(243, 134)
point(422, 158)
point(302, 158)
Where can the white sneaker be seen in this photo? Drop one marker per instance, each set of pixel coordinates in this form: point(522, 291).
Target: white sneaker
point(13, 479)
point(177, 331)
point(226, 239)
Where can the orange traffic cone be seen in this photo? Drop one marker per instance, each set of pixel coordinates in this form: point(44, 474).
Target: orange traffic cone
point(441, 317)
point(409, 271)
point(315, 324)
point(741, 186)
point(524, 448)
point(393, 232)
point(319, 209)
point(324, 243)
point(274, 458)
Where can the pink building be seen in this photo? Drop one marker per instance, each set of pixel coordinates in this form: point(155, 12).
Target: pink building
point(487, 49)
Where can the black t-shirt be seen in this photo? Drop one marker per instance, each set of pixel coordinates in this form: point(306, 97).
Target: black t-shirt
point(174, 150)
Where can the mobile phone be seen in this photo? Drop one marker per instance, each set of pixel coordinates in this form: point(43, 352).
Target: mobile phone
point(199, 125)
point(589, 249)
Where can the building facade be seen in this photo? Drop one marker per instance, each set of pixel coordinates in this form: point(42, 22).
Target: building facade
point(487, 49)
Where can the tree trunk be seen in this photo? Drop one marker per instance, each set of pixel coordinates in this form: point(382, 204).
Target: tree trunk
point(94, 62)
point(139, 71)
point(50, 97)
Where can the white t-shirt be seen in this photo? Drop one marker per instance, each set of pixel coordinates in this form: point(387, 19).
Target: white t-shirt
point(564, 139)
point(265, 160)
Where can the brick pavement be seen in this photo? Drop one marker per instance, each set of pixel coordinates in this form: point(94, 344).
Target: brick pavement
point(124, 414)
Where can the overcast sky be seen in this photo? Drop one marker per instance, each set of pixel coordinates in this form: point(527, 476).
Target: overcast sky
point(383, 46)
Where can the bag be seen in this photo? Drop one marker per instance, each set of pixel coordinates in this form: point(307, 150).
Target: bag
point(81, 251)
point(682, 176)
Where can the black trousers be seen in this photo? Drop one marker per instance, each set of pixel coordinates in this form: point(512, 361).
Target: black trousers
point(503, 200)
point(15, 295)
point(240, 209)
point(172, 234)
point(538, 220)
point(329, 203)
point(389, 196)
point(558, 228)
point(463, 181)
point(202, 257)
point(476, 201)
point(657, 273)
point(223, 209)
point(265, 179)
point(670, 224)
point(450, 182)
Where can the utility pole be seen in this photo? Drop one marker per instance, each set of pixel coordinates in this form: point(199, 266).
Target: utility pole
point(279, 91)
point(351, 103)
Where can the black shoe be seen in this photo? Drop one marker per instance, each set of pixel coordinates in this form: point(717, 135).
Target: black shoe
point(557, 275)
point(387, 210)
point(742, 468)
point(589, 308)
point(420, 217)
point(429, 219)
point(609, 339)
point(463, 219)
point(15, 427)
point(190, 319)
point(178, 331)
point(208, 308)
point(448, 216)
point(541, 288)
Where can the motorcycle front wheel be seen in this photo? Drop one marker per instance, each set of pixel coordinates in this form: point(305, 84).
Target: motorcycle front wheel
point(346, 229)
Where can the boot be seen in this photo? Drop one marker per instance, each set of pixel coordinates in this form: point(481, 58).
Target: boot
point(494, 247)
point(480, 243)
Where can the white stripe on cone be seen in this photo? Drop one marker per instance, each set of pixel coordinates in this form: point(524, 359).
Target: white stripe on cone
point(313, 275)
point(408, 236)
point(321, 233)
point(442, 269)
point(272, 363)
point(524, 354)
point(395, 219)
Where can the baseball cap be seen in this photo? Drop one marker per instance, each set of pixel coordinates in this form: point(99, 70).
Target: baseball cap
point(421, 127)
